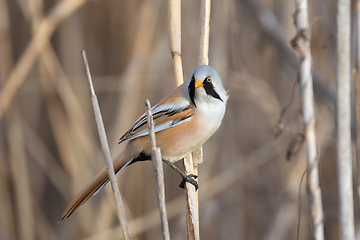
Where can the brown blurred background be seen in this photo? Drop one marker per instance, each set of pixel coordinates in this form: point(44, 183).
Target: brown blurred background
point(49, 147)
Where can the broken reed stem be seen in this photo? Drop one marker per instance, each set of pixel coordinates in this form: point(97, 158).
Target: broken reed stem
point(46, 28)
point(158, 171)
point(106, 151)
point(344, 160)
point(174, 34)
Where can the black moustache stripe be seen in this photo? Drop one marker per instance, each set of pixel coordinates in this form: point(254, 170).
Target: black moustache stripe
point(209, 89)
point(191, 90)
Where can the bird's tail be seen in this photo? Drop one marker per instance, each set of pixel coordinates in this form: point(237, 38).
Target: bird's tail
point(100, 180)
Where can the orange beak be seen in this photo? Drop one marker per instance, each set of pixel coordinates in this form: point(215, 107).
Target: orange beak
point(198, 83)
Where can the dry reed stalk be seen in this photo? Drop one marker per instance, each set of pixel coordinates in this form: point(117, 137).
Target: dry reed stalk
point(301, 44)
point(357, 93)
point(47, 27)
point(106, 152)
point(174, 34)
point(192, 203)
point(158, 172)
point(344, 163)
point(205, 7)
point(174, 38)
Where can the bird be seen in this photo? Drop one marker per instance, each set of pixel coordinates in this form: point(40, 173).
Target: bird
point(183, 121)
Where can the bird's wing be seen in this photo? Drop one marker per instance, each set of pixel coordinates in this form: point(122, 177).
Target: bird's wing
point(165, 114)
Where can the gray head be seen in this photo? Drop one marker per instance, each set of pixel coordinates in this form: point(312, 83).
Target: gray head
point(204, 84)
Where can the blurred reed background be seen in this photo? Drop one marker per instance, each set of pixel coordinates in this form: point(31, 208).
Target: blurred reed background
point(49, 148)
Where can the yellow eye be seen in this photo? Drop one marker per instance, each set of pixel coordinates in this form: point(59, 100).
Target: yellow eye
point(208, 79)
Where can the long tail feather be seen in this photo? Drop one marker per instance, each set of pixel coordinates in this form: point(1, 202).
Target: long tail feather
point(100, 180)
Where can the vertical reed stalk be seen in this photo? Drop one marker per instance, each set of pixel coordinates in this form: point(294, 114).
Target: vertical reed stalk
point(357, 91)
point(174, 34)
point(301, 43)
point(158, 171)
point(205, 7)
point(346, 205)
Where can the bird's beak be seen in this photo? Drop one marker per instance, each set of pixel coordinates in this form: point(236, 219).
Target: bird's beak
point(198, 83)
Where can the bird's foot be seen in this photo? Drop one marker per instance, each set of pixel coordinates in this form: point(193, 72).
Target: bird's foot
point(190, 179)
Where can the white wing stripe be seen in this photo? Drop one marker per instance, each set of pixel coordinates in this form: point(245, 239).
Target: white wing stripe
point(160, 127)
point(162, 109)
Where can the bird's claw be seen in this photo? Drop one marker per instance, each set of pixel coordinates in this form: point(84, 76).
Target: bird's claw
point(190, 179)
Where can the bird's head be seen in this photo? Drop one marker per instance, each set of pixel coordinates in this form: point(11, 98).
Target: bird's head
point(205, 85)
